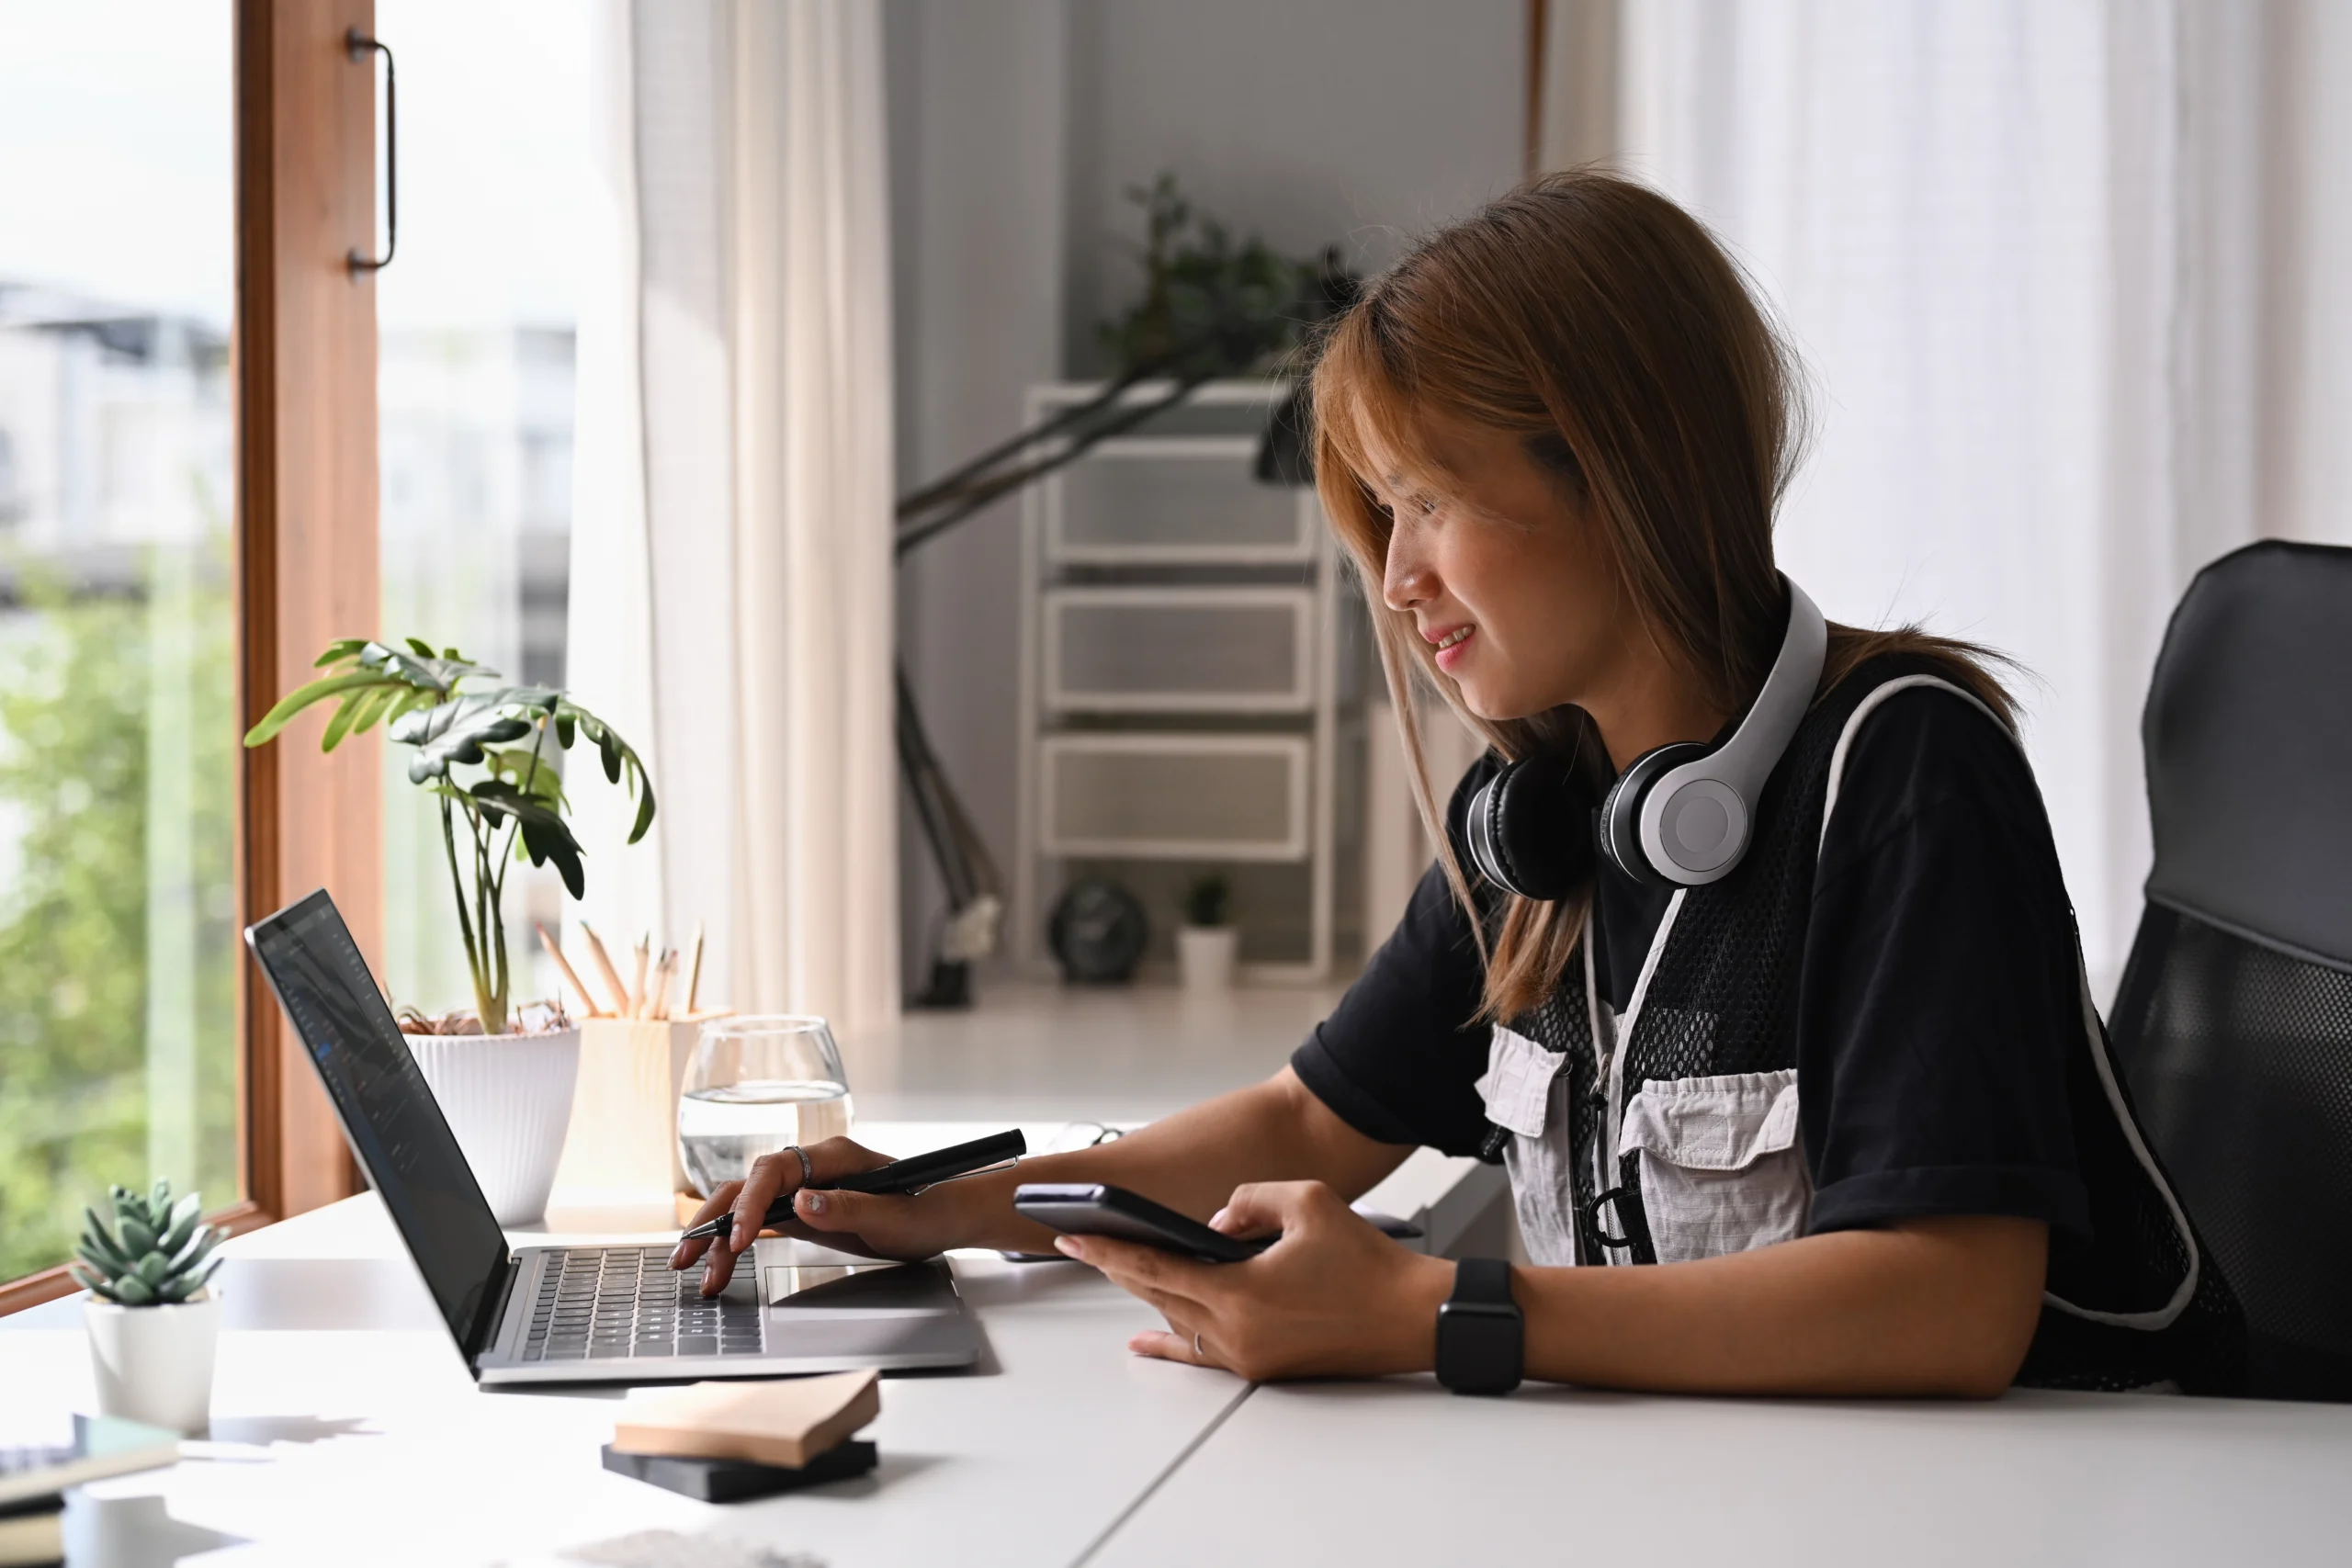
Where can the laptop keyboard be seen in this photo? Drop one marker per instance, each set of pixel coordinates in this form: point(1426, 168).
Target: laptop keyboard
point(614, 1302)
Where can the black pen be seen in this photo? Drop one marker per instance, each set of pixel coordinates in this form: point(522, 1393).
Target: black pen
point(900, 1175)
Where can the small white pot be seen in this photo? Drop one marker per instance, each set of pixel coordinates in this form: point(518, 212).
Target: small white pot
point(1204, 956)
point(508, 1100)
point(154, 1363)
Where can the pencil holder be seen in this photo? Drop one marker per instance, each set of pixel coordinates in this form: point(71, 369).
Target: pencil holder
point(623, 1141)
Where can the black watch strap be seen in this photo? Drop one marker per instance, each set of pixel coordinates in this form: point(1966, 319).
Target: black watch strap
point(1481, 1336)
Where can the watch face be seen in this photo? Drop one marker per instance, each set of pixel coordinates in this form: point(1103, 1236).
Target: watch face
point(1097, 932)
point(1479, 1346)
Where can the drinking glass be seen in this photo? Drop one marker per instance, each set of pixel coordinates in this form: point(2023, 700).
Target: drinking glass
point(755, 1085)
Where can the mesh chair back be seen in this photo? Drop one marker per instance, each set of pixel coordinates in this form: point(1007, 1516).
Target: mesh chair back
point(2234, 1022)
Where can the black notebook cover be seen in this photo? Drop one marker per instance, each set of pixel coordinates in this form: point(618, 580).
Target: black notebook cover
point(733, 1480)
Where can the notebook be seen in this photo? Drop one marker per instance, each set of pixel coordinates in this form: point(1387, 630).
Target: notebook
point(94, 1448)
point(784, 1423)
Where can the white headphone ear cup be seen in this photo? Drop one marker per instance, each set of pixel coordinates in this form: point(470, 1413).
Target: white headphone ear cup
point(1702, 824)
point(1621, 812)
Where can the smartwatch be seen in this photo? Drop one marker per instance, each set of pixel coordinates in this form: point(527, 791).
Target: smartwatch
point(1481, 1337)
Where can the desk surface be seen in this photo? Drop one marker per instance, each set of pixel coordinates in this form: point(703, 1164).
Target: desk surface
point(1402, 1471)
point(346, 1430)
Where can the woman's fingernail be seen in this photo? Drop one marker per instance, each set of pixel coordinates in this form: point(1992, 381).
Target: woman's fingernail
point(678, 1255)
point(1216, 1221)
point(811, 1202)
point(1070, 1246)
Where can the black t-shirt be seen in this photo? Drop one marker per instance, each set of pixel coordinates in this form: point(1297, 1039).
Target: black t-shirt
point(1937, 1005)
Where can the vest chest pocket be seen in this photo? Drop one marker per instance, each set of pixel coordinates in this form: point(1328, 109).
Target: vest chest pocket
point(1721, 1167)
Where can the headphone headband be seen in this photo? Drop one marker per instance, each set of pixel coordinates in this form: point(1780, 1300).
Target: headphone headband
point(1680, 815)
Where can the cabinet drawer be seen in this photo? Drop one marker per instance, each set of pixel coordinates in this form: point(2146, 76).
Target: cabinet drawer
point(1174, 797)
point(1167, 499)
point(1180, 650)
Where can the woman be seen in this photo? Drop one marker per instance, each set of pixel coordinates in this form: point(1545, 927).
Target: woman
point(1847, 1097)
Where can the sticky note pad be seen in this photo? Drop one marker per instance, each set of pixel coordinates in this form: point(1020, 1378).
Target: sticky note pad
point(783, 1422)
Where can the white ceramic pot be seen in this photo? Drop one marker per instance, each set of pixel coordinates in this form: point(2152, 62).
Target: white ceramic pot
point(154, 1363)
point(1204, 956)
point(508, 1100)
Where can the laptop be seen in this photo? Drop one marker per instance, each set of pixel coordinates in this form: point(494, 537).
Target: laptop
point(577, 1315)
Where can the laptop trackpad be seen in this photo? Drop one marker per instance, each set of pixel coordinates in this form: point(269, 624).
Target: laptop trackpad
point(804, 1279)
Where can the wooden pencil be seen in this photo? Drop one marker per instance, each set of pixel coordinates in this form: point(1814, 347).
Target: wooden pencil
point(693, 973)
point(604, 966)
point(636, 986)
point(664, 972)
point(571, 975)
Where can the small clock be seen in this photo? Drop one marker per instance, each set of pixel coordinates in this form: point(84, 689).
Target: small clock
point(1097, 932)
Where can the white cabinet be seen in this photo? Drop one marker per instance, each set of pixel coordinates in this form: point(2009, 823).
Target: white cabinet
point(1179, 706)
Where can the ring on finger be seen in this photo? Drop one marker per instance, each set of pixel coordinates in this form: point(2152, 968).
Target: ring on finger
point(808, 1171)
point(1196, 1346)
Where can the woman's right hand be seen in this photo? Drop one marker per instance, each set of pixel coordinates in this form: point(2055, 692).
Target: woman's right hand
point(895, 1227)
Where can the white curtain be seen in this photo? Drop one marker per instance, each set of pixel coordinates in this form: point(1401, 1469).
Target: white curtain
point(2065, 273)
point(731, 605)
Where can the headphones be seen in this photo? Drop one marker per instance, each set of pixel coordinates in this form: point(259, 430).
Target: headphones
point(1680, 816)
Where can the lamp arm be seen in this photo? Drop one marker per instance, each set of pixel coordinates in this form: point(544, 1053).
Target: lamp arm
point(987, 491)
point(955, 483)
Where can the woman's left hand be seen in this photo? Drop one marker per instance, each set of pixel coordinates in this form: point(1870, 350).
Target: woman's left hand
point(1332, 1298)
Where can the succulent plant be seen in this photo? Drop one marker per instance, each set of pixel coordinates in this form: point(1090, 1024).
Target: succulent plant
point(158, 1253)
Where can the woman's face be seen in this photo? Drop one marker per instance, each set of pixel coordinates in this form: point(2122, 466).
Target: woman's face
point(1504, 576)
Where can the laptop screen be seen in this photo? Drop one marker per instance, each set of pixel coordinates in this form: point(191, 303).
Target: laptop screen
point(394, 1124)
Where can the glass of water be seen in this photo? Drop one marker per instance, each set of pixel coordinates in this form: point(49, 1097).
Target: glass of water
point(755, 1085)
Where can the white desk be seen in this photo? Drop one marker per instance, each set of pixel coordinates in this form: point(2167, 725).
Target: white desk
point(1403, 1471)
point(346, 1431)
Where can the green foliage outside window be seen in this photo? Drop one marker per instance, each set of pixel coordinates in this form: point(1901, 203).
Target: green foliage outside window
point(117, 944)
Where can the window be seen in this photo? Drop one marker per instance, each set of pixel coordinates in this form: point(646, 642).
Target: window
point(475, 332)
point(118, 948)
point(181, 351)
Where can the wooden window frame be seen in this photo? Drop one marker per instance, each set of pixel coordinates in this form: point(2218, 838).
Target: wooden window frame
point(304, 364)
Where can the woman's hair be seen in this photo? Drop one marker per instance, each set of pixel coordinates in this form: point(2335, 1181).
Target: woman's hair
point(1605, 327)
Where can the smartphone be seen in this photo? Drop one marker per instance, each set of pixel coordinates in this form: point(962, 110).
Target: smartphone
point(1089, 1208)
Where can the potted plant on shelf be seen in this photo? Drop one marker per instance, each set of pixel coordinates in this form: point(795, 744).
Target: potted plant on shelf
point(490, 754)
point(154, 1319)
point(1206, 942)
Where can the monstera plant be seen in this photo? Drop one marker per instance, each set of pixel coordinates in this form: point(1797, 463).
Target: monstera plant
point(483, 749)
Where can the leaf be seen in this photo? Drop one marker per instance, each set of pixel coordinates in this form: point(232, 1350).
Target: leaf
point(370, 706)
point(534, 776)
point(97, 1234)
point(545, 834)
point(618, 760)
point(338, 651)
point(424, 648)
point(131, 1291)
point(301, 697)
point(183, 1219)
point(354, 705)
point(137, 1235)
point(153, 1268)
point(196, 1249)
point(456, 732)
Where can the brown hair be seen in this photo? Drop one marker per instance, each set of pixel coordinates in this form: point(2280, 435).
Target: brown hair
point(1605, 327)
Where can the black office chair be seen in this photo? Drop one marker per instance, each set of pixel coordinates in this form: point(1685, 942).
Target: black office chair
point(2234, 1022)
